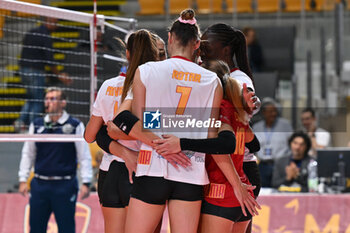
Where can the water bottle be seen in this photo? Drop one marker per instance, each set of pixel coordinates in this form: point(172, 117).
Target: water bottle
point(341, 170)
point(322, 185)
point(312, 176)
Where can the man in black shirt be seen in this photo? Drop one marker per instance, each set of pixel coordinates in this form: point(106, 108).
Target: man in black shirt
point(292, 170)
point(37, 52)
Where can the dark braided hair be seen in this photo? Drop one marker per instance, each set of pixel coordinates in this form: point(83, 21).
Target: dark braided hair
point(230, 36)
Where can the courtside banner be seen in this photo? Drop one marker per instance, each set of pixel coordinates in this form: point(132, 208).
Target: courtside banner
point(281, 213)
point(14, 215)
point(304, 213)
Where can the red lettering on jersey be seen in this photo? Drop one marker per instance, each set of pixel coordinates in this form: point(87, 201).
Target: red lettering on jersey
point(216, 191)
point(144, 157)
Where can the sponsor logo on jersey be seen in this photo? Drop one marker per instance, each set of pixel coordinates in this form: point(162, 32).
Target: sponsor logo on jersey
point(216, 191)
point(144, 157)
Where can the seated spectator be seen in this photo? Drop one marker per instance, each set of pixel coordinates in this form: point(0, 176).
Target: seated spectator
point(291, 170)
point(273, 133)
point(255, 54)
point(320, 138)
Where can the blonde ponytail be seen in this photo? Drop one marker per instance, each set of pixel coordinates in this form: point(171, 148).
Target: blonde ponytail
point(233, 93)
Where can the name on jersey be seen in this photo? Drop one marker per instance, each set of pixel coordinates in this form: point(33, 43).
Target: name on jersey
point(186, 76)
point(114, 91)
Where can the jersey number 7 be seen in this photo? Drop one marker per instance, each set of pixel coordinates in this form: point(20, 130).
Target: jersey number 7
point(185, 95)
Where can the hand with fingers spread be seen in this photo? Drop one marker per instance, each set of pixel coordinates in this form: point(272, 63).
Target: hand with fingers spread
point(245, 200)
point(169, 147)
point(170, 144)
point(176, 159)
point(249, 99)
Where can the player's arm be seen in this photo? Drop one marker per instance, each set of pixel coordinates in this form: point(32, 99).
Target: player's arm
point(113, 131)
point(126, 124)
point(225, 162)
point(251, 141)
point(240, 189)
point(129, 156)
point(130, 124)
point(92, 128)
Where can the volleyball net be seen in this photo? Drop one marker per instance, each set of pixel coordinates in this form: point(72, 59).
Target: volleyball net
point(43, 46)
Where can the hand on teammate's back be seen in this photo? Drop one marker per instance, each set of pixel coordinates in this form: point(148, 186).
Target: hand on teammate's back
point(170, 144)
point(178, 159)
point(169, 147)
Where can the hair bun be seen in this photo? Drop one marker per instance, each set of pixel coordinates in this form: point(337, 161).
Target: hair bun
point(187, 14)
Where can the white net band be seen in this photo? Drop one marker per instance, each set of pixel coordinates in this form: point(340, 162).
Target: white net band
point(40, 138)
point(50, 12)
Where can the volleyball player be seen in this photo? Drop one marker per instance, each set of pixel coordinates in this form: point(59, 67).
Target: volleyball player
point(224, 43)
point(219, 212)
point(161, 47)
point(228, 185)
point(113, 182)
point(157, 85)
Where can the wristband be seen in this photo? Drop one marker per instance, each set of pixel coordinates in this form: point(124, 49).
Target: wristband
point(225, 143)
point(103, 140)
point(125, 121)
point(254, 145)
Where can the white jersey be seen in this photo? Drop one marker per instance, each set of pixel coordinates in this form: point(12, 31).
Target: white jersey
point(170, 85)
point(241, 77)
point(106, 105)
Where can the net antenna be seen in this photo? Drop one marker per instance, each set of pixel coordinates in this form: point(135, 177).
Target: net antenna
point(85, 64)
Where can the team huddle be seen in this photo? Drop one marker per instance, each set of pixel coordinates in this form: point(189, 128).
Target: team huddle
point(208, 178)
